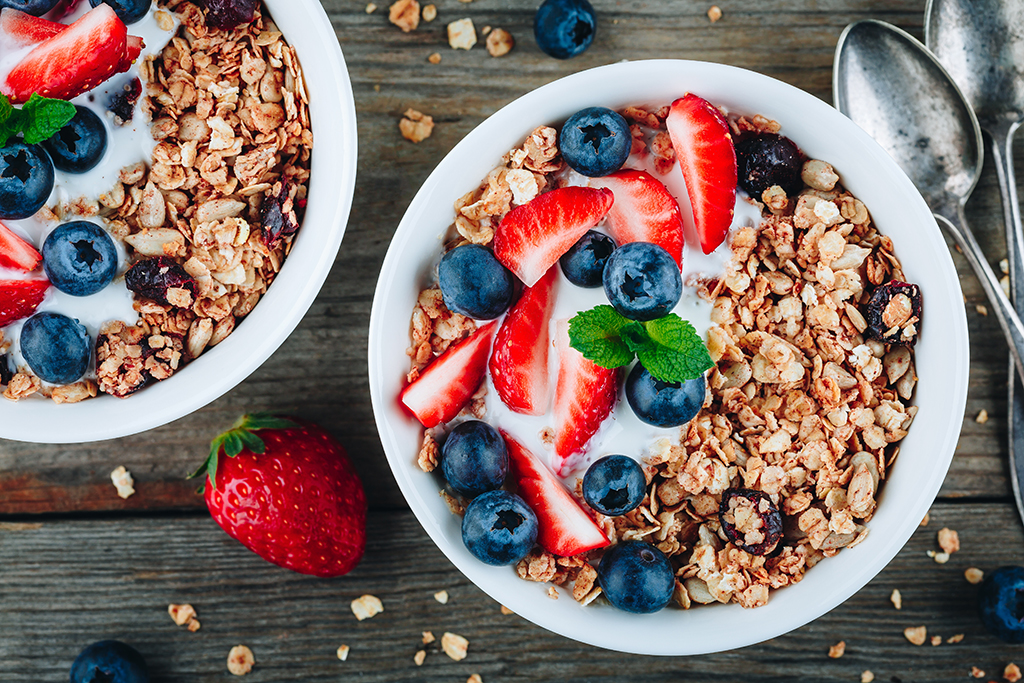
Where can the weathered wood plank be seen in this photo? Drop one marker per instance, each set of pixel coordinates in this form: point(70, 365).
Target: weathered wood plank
point(68, 583)
point(320, 372)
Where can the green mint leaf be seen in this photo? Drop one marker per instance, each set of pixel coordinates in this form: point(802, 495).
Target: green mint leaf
point(9, 120)
point(673, 351)
point(596, 334)
point(42, 117)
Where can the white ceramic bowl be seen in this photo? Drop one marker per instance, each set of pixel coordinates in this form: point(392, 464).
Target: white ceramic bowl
point(332, 182)
point(898, 210)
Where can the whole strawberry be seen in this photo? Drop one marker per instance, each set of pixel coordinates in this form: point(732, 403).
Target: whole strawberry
point(288, 493)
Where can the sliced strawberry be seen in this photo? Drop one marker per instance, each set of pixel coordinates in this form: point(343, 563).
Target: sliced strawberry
point(700, 136)
point(445, 385)
point(532, 237)
point(133, 48)
point(564, 528)
point(519, 362)
point(77, 59)
point(644, 211)
point(584, 397)
point(19, 29)
point(20, 298)
point(16, 252)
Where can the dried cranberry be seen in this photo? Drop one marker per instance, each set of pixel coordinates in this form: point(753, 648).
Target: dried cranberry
point(766, 159)
point(277, 217)
point(894, 313)
point(5, 370)
point(152, 278)
point(227, 14)
point(122, 103)
point(750, 520)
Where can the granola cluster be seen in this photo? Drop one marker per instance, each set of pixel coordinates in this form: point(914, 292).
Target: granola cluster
point(220, 201)
point(804, 406)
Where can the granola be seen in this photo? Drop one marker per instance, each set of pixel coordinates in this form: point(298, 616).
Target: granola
point(216, 207)
point(805, 405)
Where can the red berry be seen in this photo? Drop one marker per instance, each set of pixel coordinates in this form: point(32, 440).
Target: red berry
point(20, 298)
point(289, 493)
point(644, 211)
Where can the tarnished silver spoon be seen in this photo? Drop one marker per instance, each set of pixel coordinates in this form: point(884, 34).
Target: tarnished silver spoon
point(891, 86)
point(981, 45)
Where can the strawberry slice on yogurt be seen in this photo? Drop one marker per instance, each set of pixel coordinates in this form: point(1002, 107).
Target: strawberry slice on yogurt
point(644, 211)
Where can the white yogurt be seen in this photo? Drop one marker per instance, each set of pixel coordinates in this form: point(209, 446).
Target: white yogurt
point(126, 145)
point(622, 432)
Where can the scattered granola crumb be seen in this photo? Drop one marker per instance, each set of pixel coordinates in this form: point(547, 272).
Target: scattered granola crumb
point(367, 606)
point(867, 677)
point(485, 30)
point(977, 673)
point(506, 611)
point(454, 646)
point(1012, 673)
point(419, 657)
point(916, 634)
point(240, 660)
point(552, 592)
point(1004, 266)
point(837, 650)
point(714, 13)
point(434, 58)
point(429, 12)
point(441, 597)
point(982, 309)
point(982, 417)
point(462, 34)
point(123, 481)
point(955, 638)
point(343, 651)
point(184, 615)
point(897, 599)
point(428, 637)
point(925, 519)
point(949, 539)
point(405, 14)
point(940, 558)
point(474, 678)
point(1004, 282)
point(936, 641)
point(499, 42)
point(371, 8)
point(415, 125)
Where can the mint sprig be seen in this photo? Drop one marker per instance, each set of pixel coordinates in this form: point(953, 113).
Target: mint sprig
point(240, 437)
point(38, 119)
point(668, 347)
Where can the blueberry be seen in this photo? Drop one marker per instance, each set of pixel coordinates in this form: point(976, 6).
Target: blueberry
point(894, 313)
point(36, 8)
point(564, 28)
point(663, 404)
point(26, 179)
point(766, 159)
point(499, 528)
point(109, 661)
point(80, 144)
point(751, 520)
point(583, 264)
point(128, 11)
point(474, 459)
point(56, 347)
point(614, 485)
point(595, 141)
point(636, 577)
point(474, 283)
point(79, 258)
point(154, 277)
point(642, 281)
point(1001, 604)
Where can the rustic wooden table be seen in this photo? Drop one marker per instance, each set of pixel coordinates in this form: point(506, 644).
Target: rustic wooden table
point(78, 564)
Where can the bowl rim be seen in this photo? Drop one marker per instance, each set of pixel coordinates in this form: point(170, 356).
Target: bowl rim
point(217, 371)
point(954, 339)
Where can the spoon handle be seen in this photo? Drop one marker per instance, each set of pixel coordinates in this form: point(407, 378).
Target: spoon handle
point(1002, 156)
point(956, 225)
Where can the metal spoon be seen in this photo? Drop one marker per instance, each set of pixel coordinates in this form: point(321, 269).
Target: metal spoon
point(892, 87)
point(981, 44)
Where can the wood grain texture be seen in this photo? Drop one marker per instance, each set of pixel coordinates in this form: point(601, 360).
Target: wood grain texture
point(320, 371)
point(66, 584)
